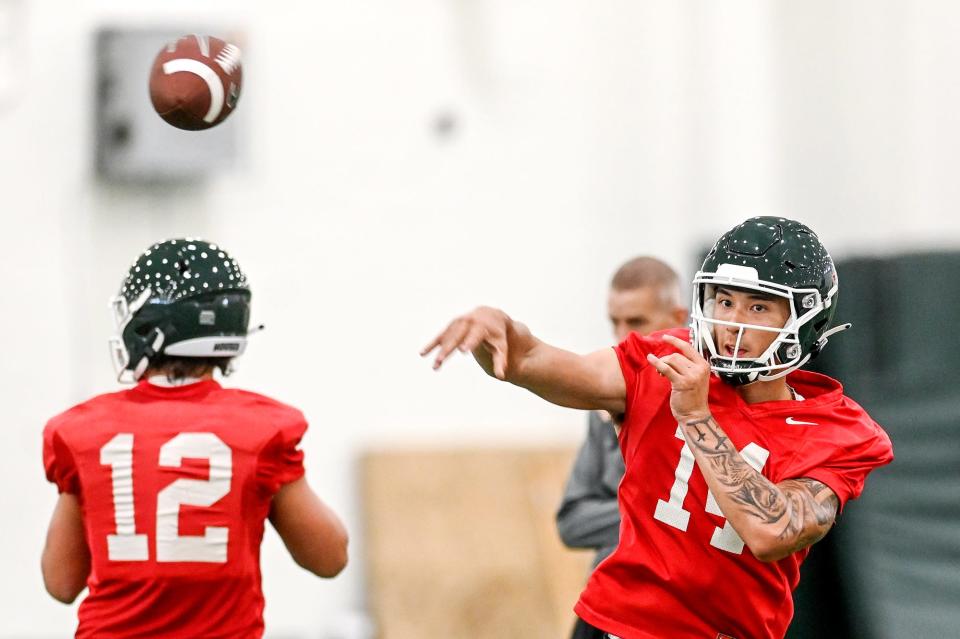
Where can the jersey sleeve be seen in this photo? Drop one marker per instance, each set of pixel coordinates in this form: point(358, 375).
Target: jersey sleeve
point(281, 460)
point(847, 473)
point(641, 379)
point(845, 464)
point(58, 462)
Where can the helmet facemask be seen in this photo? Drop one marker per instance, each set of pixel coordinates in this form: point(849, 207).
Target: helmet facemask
point(123, 312)
point(784, 354)
point(777, 257)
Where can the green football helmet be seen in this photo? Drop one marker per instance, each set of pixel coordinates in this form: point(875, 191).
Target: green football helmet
point(778, 257)
point(181, 298)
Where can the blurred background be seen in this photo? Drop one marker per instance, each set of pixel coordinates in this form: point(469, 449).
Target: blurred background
point(393, 164)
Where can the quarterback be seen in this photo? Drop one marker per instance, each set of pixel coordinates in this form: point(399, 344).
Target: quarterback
point(165, 487)
point(737, 461)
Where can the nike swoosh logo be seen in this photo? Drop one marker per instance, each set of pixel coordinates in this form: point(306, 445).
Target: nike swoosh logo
point(795, 422)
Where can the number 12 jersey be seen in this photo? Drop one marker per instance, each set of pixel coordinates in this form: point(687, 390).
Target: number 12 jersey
point(175, 484)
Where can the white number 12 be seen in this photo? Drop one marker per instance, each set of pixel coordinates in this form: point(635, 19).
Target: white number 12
point(672, 512)
point(126, 544)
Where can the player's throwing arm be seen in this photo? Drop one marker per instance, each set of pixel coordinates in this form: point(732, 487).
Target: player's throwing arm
point(507, 350)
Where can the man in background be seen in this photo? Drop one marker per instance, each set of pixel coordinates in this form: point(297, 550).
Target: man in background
point(644, 298)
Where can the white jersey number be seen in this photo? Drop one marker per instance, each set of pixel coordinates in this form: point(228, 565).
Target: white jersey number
point(126, 544)
point(672, 512)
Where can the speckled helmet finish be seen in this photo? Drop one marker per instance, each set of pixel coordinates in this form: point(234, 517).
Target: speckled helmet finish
point(184, 298)
point(779, 257)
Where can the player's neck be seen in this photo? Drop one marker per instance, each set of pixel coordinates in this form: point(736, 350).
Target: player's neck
point(163, 378)
point(774, 390)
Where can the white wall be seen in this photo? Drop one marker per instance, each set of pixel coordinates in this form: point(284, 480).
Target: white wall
point(587, 133)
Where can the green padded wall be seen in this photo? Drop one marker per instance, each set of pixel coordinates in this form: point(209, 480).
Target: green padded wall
point(892, 566)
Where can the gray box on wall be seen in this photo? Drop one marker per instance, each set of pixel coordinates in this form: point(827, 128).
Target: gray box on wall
point(132, 142)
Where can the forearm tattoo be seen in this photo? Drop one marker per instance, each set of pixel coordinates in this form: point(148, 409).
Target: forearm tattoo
point(799, 509)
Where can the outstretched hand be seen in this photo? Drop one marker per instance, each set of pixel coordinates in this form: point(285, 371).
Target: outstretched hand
point(482, 332)
point(689, 374)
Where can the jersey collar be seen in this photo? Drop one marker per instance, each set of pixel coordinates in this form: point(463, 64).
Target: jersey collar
point(195, 389)
point(817, 391)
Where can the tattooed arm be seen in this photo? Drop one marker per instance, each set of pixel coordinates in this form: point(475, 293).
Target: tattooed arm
point(774, 520)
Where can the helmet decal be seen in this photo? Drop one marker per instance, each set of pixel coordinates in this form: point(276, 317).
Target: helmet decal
point(181, 268)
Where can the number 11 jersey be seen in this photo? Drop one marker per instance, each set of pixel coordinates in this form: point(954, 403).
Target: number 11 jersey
point(174, 484)
point(680, 570)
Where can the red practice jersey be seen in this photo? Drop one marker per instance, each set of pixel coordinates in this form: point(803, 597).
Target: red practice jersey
point(175, 485)
point(681, 571)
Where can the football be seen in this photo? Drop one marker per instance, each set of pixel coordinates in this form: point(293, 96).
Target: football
point(195, 82)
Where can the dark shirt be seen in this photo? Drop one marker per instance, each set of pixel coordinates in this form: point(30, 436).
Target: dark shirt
point(588, 516)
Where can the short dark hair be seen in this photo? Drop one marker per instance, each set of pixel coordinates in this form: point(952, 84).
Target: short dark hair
point(175, 368)
point(644, 271)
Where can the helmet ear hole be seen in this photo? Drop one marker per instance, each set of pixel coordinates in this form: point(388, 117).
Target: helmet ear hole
point(820, 324)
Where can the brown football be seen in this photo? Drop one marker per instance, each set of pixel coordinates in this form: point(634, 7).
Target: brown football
point(195, 82)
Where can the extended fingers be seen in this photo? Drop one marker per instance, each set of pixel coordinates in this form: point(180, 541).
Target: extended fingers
point(432, 345)
point(448, 341)
point(681, 345)
point(676, 367)
point(663, 368)
point(679, 363)
point(473, 339)
point(684, 347)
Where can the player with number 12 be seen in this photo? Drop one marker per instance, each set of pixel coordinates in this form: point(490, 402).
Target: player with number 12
point(165, 487)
